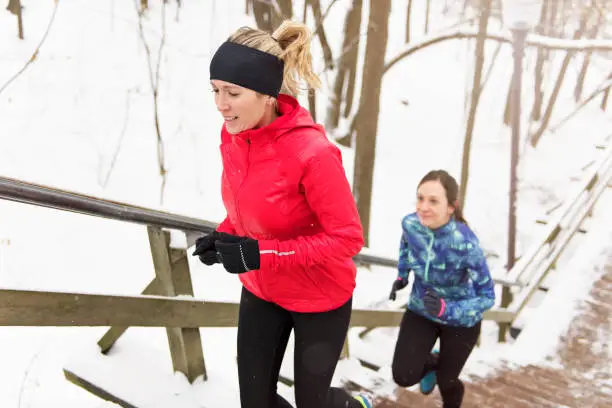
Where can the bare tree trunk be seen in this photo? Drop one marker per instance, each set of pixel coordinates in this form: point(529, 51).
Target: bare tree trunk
point(305, 11)
point(263, 15)
point(154, 76)
point(557, 88)
point(508, 103)
point(427, 8)
point(487, 76)
point(599, 90)
point(564, 17)
point(408, 13)
point(485, 13)
point(367, 123)
point(20, 22)
point(466, 3)
point(312, 96)
point(491, 66)
point(352, 55)
point(582, 77)
point(587, 59)
point(104, 179)
point(14, 6)
point(553, 17)
point(286, 8)
point(606, 95)
point(312, 103)
point(536, 109)
point(286, 12)
point(267, 17)
point(34, 54)
point(315, 5)
point(344, 83)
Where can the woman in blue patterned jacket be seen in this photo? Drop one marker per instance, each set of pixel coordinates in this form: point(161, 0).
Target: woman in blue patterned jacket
point(452, 288)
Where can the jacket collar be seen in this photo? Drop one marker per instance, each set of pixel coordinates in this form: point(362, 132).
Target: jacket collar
point(442, 231)
point(292, 116)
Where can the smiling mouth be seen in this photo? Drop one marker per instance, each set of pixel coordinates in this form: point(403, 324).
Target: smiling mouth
point(230, 118)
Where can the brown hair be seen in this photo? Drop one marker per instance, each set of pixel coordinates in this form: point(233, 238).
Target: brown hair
point(452, 190)
point(291, 43)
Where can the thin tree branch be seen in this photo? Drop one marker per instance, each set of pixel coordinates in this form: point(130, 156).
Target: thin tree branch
point(533, 40)
point(534, 137)
point(154, 82)
point(36, 51)
point(119, 143)
point(600, 89)
point(146, 45)
point(315, 6)
point(273, 4)
point(483, 21)
point(323, 17)
point(490, 69)
point(328, 9)
point(352, 43)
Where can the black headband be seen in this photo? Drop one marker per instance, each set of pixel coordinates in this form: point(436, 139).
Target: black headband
point(248, 67)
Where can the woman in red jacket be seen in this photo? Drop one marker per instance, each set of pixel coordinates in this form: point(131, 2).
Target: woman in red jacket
point(292, 227)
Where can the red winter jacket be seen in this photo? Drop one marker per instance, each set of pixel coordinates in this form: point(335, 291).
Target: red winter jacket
point(284, 185)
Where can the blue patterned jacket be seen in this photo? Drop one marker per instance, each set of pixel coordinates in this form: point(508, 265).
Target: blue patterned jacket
point(450, 261)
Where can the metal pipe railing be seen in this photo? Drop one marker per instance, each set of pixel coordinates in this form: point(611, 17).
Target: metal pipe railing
point(43, 196)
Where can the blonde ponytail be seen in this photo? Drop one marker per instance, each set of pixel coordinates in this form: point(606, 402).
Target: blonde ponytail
point(294, 38)
point(291, 43)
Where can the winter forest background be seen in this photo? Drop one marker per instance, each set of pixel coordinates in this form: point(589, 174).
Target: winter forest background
point(112, 99)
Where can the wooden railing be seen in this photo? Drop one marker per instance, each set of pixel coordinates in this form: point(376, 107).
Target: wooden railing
point(158, 305)
point(530, 274)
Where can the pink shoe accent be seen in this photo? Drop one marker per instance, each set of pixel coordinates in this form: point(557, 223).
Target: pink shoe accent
point(442, 307)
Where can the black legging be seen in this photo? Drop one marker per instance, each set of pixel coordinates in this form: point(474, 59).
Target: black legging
point(413, 358)
point(263, 333)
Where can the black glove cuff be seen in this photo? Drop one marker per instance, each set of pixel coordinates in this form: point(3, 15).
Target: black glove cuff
point(249, 254)
point(400, 283)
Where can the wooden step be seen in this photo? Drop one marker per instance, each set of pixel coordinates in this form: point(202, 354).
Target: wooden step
point(531, 389)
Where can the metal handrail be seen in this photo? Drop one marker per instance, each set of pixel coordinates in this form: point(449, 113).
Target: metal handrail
point(44, 196)
point(64, 200)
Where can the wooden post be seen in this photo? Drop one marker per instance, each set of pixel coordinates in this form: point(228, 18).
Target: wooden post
point(174, 278)
point(112, 335)
point(154, 288)
point(506, 299)
point(345, 349)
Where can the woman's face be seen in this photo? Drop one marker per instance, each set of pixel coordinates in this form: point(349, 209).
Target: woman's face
point(433, 208)
point(242, 108)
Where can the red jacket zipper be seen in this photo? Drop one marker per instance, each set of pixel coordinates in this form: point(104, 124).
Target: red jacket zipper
point(236, 204)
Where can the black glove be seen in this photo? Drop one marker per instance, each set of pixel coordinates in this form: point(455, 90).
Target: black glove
point(237, 254)
point(434, 304)
point(205, 248)
point(399, 284)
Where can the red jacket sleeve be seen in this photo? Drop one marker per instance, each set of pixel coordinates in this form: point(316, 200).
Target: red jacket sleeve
point(227, 227)
point(329, 196)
